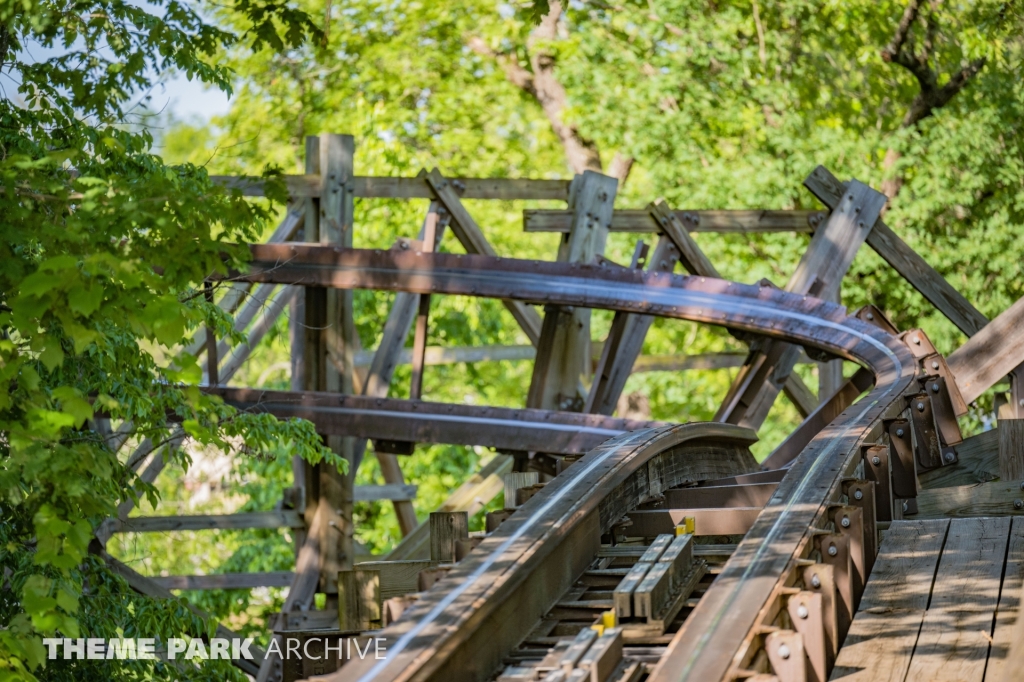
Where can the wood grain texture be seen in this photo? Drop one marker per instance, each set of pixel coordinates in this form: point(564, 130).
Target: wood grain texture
point(225, 581)
point(368, 187)
point(639, 220)
point(995, 498)
point(977, 462)
point(881, 640)
point(397, 578)
point(156, 524)
point(990, 354)
point(954, 641)
point(1011, 449)
point(1006, 656)
point(446, 529)
point(905, 260)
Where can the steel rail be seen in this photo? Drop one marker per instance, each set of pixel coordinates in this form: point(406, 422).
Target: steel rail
point(464, 628)
point(707, 647)
point(417, 421)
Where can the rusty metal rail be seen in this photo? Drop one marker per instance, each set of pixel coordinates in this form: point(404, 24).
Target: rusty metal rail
point(722, 632)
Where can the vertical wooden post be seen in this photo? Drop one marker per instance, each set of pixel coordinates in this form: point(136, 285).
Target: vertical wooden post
point(1011, 449)
point(419, 345)
point(830, 374)
point(563, 352)
point(328, 349)
point(446, 529)
point(359, 601)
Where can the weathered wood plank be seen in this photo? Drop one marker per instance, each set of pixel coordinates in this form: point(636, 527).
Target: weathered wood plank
point(713, 521)
point(225, 581)
point(995, 498)
point(639, 220)
point(446, 529)
point(881, 640)
point(397, 578)
point(905, 260)
point(563, 351)
point(1011, 449)
point(977, 462)
point(755, 495)
point(820, 270)
point(990, 354)
point(158, 524)
point(390, 491)
point(1005, 659)
point(954, 640)
point(368, 187)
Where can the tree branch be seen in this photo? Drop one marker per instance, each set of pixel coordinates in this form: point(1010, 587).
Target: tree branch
point(540, 82)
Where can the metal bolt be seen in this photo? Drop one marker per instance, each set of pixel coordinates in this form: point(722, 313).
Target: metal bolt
point(916, 340)
point(833, 550)
point(876, 460)
point(1018, 504)
point(1022, 486)
point(1021, 402)
point(950, 456)
point(935, 364)
point(935, 388)
point(845, 523)
point(905, 506)
point(870, 316)
point(801, 612)
point(858, 494)
point(815, 581)
point(899, 433)
point(783, 652)
point(920, 407)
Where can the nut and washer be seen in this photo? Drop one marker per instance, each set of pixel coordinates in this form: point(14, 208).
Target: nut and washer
point(858, 494)
point(801, 612)
point(833, 550)
point(845, 522)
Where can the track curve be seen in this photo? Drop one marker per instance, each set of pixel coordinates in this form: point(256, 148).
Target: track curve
point(713, 639)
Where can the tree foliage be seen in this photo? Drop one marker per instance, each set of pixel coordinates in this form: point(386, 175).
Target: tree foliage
point(103, 251)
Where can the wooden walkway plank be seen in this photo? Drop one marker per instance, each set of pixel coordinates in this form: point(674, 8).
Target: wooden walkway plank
point(1007, 632)
point(881, 640)
point(954, 641)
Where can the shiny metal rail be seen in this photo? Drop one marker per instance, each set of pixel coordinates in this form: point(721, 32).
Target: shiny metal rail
point(719, 632)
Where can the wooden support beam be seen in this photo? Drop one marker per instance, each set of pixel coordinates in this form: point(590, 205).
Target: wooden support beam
point(446, 529)
point(385, 359)
point(359, 600)
point(995, 498)
point(472, 239)
point(923, 277)
point(625, 341)
point(640, 220)
point(475, 493)
point(243, 520)
point(563, 352)
point(367, 187)
point(990, 354)
point(649, 523)
point(818, 273)
point(1011, 449)
point(225, 581)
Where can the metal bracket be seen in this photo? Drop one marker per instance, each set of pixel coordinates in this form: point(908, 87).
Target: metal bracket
point(835, 552)
point(806, 613)
point(876, 469)
point(820, 579)
point(945, 417)
point(901, 458)
point(926, 435)
point(862, 494)
point(849, 522)
point(786, 654)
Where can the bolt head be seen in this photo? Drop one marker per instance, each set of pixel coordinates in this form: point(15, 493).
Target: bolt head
point(870, 316)
point(833, 550)
point(845, 523)
point(916, 340)
point(815, 581)
point(876, 460)
point(950, 456)
point(920, 407)
point(935, 364)
point(783, 652)
point(1018, 504)
point(801, 612)
point(935, 388)
point(899, 433)
point(905, 506)
point(858, 494)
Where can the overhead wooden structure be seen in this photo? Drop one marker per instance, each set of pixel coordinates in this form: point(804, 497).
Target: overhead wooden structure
point(627, 550)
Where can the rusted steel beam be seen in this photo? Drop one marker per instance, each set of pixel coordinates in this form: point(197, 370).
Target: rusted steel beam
point(561, 433)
